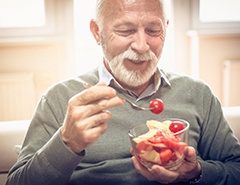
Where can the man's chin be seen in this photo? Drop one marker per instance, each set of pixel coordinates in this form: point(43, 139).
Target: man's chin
point(132, 82)
point(131, 78)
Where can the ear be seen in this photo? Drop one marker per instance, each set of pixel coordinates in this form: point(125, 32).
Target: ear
point(95, 31)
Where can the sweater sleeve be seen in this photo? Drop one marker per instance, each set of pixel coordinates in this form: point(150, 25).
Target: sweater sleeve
point(46, 159)
point(218, 148)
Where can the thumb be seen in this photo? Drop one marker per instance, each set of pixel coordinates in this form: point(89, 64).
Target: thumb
point(190, 154)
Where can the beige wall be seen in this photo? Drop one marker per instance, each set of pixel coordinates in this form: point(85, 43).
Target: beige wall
point(46, 62)
point(36, 60)
point(211, 51)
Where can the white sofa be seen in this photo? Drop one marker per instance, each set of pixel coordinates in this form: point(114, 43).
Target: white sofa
point(12, 134)
point(233, 116)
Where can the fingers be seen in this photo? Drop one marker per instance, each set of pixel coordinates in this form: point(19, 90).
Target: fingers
point(78, 133)
point(190, 154)
point(95, 120)
point(91, 109)
point(89, 136)
point(143, 170)
point(87, 115)
point(93, 100)
point(92, 94)
point(98, 106)
point(163, 175)
point(155, 173)
point(189, 169)
point(193, 166)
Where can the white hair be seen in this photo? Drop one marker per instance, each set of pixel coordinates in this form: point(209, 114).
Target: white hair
point(102, 9)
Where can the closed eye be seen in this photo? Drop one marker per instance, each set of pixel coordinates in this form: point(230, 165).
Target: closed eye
point(124, 32)
point(153, 33)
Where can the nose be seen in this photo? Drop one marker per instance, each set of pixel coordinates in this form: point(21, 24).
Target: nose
point(140, 43)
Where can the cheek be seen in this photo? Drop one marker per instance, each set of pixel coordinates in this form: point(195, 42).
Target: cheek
point(156, 47)
point(117, 45)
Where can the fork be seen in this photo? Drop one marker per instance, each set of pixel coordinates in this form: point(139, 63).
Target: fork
point(86, 86)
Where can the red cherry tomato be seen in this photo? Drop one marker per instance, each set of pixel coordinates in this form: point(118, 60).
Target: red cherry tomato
point(176, 126)
point(156, 106)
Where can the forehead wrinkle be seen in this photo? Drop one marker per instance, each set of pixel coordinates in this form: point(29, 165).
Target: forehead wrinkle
point(131, 23)
point(119, 6)
point(134, 12)
point(144, 6)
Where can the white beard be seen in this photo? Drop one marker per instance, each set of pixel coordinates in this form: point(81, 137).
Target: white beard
point(133, 78)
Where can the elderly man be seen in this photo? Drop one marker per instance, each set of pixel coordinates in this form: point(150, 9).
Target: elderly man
point(78, 135)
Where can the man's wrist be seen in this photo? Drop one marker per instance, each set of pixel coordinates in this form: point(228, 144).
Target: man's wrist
point(196, 179)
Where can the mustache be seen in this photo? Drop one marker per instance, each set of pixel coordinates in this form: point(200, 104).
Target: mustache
point(132, 55)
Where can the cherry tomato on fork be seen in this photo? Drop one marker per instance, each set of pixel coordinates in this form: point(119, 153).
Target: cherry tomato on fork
point(156, 106)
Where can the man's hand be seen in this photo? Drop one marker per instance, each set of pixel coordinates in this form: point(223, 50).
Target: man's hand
point(87, 115)
point(189, 169)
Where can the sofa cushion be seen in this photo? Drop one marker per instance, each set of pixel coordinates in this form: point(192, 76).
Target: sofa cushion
point(232, 114)
point(12, 133)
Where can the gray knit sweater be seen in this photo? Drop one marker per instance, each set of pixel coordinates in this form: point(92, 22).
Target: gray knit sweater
point(45, 160)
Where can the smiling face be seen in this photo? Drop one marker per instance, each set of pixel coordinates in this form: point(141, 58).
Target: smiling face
point(132, 35)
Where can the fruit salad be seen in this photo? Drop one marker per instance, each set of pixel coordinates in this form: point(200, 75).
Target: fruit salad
point(162, 144)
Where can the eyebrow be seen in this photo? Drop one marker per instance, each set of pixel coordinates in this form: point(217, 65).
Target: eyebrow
point(131, 24)
point(125, 23)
